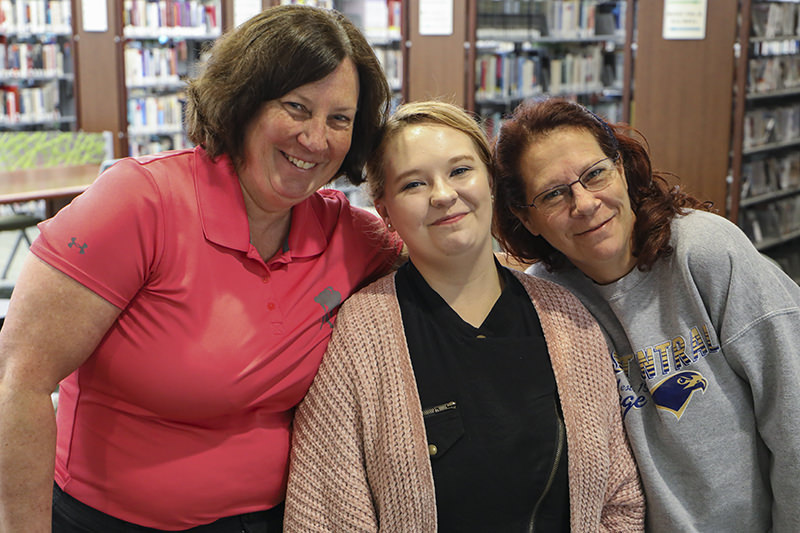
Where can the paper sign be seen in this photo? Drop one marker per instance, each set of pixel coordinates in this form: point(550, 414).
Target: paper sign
point(94, 14)
point(245, 9)
point(436, 17)
point(685, 19)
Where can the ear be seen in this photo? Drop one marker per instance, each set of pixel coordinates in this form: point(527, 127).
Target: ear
point(383, 213)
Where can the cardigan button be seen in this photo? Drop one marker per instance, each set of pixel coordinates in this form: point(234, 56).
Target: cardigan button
point(432, 450)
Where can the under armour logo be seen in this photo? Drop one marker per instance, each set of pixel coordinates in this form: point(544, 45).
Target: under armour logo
point(74, 242)
point(329, 299)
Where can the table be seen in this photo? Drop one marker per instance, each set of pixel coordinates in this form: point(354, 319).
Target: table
point(56, 185)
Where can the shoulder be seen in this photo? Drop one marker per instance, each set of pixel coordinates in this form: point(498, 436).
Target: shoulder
point(698, 230)
point(363, 233)
point(159, 175)
point(332, 208)
point(165, 165)
point(332, 202)
point(535, 279)
point(377, 299)
point(570, 277)
point(711, 245)
point(551, 299)
point(366, 333)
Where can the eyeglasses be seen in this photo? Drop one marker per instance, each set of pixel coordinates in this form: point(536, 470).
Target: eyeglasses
point(595, 178)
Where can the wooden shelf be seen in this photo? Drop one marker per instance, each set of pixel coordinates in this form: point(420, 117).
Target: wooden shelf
point(768, 197)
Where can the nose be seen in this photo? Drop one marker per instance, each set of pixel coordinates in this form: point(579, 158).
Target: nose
point(442, 194)
point(582, 201)
point(314, 135)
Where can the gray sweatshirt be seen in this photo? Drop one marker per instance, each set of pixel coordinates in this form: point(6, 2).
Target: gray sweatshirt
point(706, 348)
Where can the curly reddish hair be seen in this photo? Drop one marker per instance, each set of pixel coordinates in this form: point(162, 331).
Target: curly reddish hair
point(655, 203)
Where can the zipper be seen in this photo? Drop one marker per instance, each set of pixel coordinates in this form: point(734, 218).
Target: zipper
point(438, 409)
point(560, 434)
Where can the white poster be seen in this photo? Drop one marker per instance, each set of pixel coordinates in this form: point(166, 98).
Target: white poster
point(244, 9)
point(436, 17)
point(685, 19)
point(94, 14)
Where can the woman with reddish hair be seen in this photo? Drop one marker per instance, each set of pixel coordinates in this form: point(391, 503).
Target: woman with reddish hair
point(702, 328)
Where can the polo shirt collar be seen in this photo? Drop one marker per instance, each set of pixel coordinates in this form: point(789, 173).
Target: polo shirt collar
point(306, 235)
point(224, 217)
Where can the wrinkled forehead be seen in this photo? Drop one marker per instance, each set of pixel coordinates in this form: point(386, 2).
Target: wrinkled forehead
point(563, 151)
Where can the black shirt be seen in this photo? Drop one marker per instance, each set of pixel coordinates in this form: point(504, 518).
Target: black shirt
point(491, 410)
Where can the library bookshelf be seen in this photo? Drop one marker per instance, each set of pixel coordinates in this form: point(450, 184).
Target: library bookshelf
point(36, 65)
point(163, 43)
point(765, 153)
point(575, 49)
point(131, 76)
point(384, 24)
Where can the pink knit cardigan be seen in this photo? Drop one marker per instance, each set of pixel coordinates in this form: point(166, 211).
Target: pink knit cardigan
point(360, 459)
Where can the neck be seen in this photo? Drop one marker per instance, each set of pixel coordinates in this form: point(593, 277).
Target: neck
point(269, 231)
point(609, 274)
point(470, 287)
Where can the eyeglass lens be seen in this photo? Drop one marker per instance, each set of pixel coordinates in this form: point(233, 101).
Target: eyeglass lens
point(594, 179)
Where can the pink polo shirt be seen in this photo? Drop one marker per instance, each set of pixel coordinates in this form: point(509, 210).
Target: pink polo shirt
point(182, 414)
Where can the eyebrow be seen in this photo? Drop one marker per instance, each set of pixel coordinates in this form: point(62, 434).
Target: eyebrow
point(453, 160)
point(580, 175)
point(306, 101)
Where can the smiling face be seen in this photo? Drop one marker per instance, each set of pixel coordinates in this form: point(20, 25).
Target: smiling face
point(437, 194)
point(593, 229)
point(297, 142)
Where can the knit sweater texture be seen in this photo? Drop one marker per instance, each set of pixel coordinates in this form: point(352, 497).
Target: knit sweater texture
point(360, 461)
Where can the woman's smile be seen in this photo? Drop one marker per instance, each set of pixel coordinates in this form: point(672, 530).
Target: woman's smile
point(299, 163)
point(449, 219)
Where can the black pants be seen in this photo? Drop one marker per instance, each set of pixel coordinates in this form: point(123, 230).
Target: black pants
point(72, 516)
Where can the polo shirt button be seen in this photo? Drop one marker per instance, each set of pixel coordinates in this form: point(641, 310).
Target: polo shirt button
point(265, 279)
point(432, 450)
point(271, 306)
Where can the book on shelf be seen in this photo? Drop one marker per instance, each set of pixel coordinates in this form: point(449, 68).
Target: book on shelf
point(380, 20)
point(513, 74)
point(178, 18)
point(35, 16)
point(558, 19)
point(23, 60)
point(392, 62)
point(773, 19)
point(775, 124)
point(11, 105)
point(150, 144)
point(149, 63)
point(507, 76)
point(770, 74)
point(771, 221)
point(771, 174)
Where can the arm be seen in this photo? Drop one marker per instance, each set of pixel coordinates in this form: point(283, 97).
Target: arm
point(766, 353)
point(604, 480)
point(624, 508)
point(755, 307)
point(328, 488)
point(624, 503)
point(53, 325)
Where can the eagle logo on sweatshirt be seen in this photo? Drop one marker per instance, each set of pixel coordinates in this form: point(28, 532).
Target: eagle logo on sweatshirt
point(674, 393)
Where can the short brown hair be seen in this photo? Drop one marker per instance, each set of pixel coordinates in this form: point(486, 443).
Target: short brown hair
point(271, 54)
point(426, 112)
point(653, 201)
